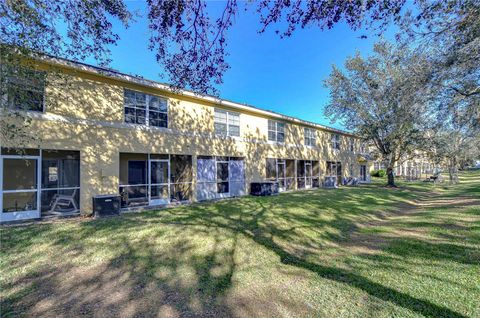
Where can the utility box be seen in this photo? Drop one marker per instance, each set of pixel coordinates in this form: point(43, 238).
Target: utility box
point(106, 205)
point(263, 188)
point(330, 182)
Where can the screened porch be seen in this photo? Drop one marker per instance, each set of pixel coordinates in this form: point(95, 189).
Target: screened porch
point(154, 179)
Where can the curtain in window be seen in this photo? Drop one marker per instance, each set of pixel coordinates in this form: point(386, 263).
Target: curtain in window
point(237, 172)
point(206, 185)
point(206, 169)
point(237, 177)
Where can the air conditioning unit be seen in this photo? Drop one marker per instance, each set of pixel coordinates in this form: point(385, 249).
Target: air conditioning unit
point(263, 188)
point(330, 182)
point(106, 205)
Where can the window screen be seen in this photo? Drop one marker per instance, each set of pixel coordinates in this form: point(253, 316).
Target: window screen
point(271, 169)
point(137, 172)
point(180, 168)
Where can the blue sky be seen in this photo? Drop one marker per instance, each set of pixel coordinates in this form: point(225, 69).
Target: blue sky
point(283, 75)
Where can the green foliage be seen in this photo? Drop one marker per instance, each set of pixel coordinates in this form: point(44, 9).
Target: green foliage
point(384, 98)
point(379, 173)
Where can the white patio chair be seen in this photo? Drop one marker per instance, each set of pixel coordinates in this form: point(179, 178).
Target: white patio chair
point(63, 201)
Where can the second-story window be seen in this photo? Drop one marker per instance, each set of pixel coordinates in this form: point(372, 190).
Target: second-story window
point(336, 141)
point(144, 109)
point(363, 148)
point(227, 123)
point(276, 131)
point(352, 144)
point(310, 138)
point(25, 88)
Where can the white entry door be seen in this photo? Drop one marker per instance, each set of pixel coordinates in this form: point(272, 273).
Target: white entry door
point(281, 174)
point(308, 174)
point(159, 182)
point(19, 189)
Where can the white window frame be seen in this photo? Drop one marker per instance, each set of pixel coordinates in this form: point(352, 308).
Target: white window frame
point(147, 108)
point(310, 137)
point(336, 141)
point(227, 123)
point(32, 214)
point(217, 181)
point(150, 184)
point(281, 162)
point(276, 131)
point(21, 215)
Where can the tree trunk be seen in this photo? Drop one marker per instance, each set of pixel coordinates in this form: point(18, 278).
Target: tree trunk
point(391, 177)
point(453, 172)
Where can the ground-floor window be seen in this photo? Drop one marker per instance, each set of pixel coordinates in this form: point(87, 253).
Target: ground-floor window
point(154, 179)
point(220, 177)
point(334, 169)
point(308, 174)
point(281, 171)
point(38, 183)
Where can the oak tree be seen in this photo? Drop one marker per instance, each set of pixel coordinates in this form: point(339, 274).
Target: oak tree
point(384, 98)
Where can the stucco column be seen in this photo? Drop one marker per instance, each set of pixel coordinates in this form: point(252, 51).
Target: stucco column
point(194, 178)
point(99, 174)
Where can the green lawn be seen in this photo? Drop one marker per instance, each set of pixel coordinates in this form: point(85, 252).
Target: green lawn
point(367, 251)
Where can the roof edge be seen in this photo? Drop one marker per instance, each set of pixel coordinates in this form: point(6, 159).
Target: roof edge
point(107, 72)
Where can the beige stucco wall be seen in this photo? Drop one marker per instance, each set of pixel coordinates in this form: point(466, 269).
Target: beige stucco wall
point(84, 112)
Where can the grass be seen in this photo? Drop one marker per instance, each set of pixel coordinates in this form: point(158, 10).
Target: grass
point(367, 251)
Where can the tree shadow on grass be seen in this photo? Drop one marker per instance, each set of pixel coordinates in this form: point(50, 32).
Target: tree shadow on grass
point(181, 279)
point(266, 237)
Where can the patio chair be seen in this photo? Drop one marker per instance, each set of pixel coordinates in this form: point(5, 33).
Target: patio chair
point(61, 202)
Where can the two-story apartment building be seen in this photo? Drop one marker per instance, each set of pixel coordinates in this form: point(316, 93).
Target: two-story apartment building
point(96, 131)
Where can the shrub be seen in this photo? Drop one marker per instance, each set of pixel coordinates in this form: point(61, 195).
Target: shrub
point(379, 173)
